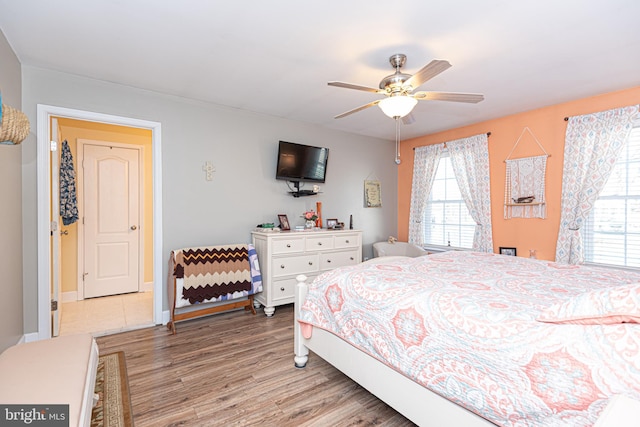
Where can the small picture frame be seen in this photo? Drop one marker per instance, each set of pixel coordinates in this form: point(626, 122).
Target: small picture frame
point(331, 223)
point(284, 222)
point(507, 251)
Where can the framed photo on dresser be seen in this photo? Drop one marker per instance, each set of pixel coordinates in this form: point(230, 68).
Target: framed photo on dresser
point(284, 222)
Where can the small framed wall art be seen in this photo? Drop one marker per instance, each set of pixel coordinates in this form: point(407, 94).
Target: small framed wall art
point(507, 251)
point(372, 196)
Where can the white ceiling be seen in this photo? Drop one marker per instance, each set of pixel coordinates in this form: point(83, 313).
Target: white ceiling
point(276, 57)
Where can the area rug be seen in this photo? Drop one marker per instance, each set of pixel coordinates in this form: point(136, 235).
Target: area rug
point(112, 387)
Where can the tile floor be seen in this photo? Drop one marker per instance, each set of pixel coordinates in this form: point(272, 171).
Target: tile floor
point(107, 315)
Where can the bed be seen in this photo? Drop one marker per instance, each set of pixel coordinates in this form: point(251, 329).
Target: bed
point(477, 339)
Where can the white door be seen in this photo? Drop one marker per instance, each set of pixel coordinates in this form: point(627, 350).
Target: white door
point(56, 244)
point(111, 220)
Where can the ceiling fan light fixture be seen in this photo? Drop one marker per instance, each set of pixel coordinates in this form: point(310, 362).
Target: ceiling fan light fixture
point(397, 106)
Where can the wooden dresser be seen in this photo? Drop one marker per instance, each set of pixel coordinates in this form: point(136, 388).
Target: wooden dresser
point(284, 255)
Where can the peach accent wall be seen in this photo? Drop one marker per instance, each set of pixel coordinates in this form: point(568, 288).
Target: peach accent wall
point(549, 126)
point(72, 130)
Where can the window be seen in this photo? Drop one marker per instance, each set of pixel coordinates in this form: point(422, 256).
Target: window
point(447, 220)
point(611, 234)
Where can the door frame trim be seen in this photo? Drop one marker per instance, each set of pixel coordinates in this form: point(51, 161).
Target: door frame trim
point(81, 142)
point(44, 114)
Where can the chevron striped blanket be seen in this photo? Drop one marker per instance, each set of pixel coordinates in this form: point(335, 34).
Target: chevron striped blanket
point(215, 273)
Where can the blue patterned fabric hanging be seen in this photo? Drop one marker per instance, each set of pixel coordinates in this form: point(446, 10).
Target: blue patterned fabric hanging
point(68, 201)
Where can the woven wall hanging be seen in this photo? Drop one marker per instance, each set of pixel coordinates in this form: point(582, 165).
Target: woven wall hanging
point(524, 194)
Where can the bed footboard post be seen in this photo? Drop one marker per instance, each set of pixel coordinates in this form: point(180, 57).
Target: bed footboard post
point(300, 350)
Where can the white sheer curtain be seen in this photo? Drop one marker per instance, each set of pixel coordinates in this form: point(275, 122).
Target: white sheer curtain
point(592, 144)
point(425, 163)
point(470, 161)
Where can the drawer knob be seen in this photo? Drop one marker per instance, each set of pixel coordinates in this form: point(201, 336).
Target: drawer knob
point(288, 245)
point(281, 265)
point(282, 289)
point(329, 261)
point(351, 258)
point(310, 263)
point(319, 243)
point(347, 241)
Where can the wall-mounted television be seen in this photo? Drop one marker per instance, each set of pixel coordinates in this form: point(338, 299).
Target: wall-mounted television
point(297, 162)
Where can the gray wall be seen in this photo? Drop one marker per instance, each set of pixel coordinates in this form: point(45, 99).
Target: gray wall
point(11, 300)
point(242, 147)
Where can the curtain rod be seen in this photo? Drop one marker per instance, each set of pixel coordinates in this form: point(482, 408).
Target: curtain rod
point(488, 134)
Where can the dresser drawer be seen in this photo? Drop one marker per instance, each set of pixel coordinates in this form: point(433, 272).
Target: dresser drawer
point(285, 266)
point(287, 246)
point(331, 260)
point(319, 243)
point(347, 241)
point(283, 291)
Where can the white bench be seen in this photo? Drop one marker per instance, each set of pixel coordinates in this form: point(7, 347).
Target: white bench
point(61, 370)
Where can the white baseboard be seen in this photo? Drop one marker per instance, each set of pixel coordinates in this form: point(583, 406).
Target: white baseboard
point(31, 337)
point(166, 317)
point(147, 287)
point(70, 296)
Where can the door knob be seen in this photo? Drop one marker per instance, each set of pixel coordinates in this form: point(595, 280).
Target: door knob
point(133, 227)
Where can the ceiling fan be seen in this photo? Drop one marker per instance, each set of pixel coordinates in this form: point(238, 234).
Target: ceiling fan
point(398, 90)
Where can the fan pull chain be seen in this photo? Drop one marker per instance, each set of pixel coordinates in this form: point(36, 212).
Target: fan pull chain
point(397, 140)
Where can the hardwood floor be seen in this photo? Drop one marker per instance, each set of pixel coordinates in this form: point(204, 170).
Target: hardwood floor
point(236, 369)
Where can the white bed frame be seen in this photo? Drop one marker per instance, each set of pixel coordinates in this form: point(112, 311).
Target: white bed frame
point(418, 404)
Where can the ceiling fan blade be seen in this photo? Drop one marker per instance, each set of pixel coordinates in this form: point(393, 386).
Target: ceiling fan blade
point(427, 72)
point(355, 110)
point(408, 119)
point(472, 98)
point(357, 87)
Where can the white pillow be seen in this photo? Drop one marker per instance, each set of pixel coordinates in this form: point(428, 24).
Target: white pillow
point(617, 304)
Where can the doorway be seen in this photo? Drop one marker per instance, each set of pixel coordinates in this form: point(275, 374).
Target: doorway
point(110, 202)
point(45, 113)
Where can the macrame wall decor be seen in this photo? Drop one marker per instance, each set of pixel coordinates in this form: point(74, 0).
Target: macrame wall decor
point(524, 193)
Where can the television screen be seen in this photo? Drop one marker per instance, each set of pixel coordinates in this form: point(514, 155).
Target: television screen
point(297, 162)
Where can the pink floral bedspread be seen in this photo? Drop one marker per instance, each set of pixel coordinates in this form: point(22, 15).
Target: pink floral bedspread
point(463, 324)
